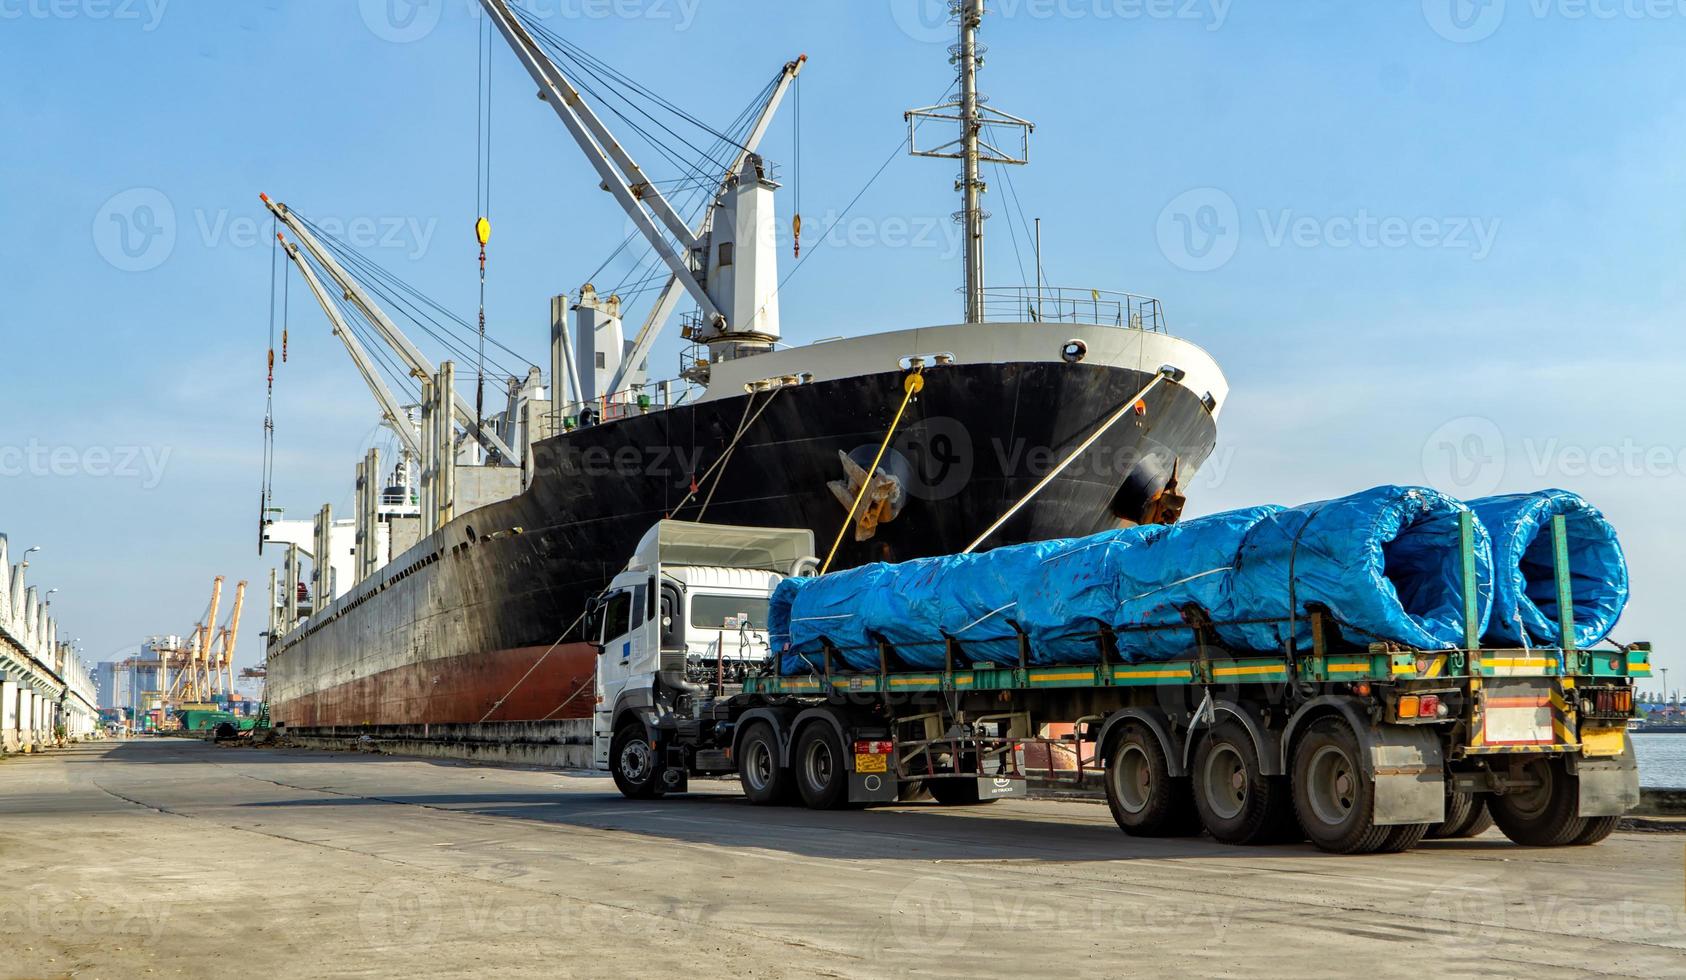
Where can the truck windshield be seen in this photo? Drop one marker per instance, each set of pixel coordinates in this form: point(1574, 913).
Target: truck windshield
point(728, 612)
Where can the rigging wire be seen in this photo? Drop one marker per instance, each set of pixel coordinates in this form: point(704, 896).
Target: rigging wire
point(483, 202)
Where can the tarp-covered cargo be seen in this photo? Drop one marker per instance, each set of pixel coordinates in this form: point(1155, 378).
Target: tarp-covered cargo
point(1385, 562)
point(1525, 605)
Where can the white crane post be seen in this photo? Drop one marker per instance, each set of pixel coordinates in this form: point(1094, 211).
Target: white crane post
point(447, 445)
point(668, 300)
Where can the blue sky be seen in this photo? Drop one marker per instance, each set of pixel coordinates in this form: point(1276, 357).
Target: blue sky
point(1432, 241)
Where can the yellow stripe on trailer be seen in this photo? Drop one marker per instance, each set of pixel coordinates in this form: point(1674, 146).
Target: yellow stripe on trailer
point(1247, 671)
point(1125, 673)
point(1067, 676)
point(1350, 668)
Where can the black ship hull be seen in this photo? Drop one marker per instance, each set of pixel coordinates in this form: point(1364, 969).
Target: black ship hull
point(479, 622)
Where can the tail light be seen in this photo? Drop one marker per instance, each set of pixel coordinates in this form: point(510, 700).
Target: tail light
point(1609, 701)
point(1409, 706)
point(874, 747)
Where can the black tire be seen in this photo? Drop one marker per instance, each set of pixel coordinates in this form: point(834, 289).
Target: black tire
point(1333, 796)
point(822, 776)
point(1146, 800)
point(1461, 811)
point(1402, 837)
point(635, 763)
point(1483, 821)
point(765, 782)
point(1237, 803)
point(1544, 816)
point(1597, 829)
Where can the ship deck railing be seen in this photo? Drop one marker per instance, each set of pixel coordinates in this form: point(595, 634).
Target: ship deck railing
point(1065, 304)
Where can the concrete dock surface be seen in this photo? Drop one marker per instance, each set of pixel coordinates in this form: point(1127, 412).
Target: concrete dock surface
point(175, 858)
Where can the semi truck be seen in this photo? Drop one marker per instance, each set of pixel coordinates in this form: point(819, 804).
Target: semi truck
point(1360, 748)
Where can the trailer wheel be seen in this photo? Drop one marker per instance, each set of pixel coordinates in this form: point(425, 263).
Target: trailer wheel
point(1543, 816)
point(1597, 828)
point(1333, 796)
point(1466, 816)
point(1146, 800)
point(635, 763)
point(765, 782)
point(1236, 801)
point(821, 776)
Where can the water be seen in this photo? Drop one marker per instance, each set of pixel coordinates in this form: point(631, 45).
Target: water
point(1662, 759)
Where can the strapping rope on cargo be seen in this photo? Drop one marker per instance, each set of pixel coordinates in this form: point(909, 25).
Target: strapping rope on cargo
point(1165, 374)
point(499, 702)
point(913, 385)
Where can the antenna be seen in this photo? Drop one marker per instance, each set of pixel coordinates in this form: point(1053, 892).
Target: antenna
point(980, 142)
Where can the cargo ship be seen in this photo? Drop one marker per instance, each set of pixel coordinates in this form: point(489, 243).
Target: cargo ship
point(457, 594)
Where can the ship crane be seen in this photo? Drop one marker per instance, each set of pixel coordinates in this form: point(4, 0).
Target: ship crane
point(668, 299)
point(391, 410)
point(413, 359)
point(729, 267)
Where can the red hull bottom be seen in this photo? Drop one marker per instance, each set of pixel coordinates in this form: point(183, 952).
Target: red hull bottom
point(523, 684)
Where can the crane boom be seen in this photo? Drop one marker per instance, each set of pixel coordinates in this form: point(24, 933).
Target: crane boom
point(394, 337)
point(389, 403)
point(232, 634)
point(634, 191)
point(668, 300)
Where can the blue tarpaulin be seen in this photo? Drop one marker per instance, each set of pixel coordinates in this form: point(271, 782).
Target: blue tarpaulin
point(1525, 610)
point(1385, 562)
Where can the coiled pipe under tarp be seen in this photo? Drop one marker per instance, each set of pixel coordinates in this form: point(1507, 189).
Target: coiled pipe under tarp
point(1059, 595)
point(1525, 602)
point(1386, 563)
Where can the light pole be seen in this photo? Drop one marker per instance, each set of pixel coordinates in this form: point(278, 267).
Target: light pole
point(26, 554)
point(1664, 672)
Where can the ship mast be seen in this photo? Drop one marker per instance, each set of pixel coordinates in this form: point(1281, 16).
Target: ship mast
point(975, 146)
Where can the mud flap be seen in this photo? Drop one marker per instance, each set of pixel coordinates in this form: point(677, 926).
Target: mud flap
point(1000, 787)
point(1410, 774)
point(1609, 786)
point(872, 787)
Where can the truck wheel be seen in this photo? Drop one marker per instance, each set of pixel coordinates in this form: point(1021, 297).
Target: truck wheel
point(1466, 816)
point(1146, 800)
point(1543, 816)
point(635, 764)
point(1597, 828)
point(1402, 837)
point(765, 782)
point(821, 776)
point(1236, 801)
point(1332, 795)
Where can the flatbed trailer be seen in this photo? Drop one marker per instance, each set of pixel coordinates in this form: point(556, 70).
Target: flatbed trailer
point(1360, 748)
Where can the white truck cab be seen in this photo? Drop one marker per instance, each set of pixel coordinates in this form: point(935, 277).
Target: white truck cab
point(686, 620)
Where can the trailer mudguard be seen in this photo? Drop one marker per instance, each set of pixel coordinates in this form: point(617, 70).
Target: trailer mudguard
point(1155, 721)
point(1405, 761)
point(1609, 786)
